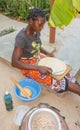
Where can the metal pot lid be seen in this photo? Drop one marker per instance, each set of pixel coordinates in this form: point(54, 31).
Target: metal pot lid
point(53, 112)
point(44, 119)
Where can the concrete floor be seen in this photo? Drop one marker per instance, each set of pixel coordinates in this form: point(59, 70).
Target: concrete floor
point(67, 41)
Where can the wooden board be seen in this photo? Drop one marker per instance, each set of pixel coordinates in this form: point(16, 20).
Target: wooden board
point(59, 77)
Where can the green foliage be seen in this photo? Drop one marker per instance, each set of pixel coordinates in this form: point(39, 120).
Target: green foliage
point(62, 13)
point(76, 4)
point(20, 8)
point(4, 32)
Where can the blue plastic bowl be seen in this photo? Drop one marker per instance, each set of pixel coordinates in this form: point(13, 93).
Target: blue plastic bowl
point(32, 85)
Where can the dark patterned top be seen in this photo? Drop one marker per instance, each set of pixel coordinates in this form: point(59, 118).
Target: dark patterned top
point(31, 46)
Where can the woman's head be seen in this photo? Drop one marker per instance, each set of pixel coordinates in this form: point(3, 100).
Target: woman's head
point(36, 19)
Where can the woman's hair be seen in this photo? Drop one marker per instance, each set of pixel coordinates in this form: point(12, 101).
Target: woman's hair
point(35, 13)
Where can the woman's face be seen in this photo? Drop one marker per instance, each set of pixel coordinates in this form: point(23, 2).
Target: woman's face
point(38, 24)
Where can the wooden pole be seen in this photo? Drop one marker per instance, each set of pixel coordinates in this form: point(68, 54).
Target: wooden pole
point(52, 29)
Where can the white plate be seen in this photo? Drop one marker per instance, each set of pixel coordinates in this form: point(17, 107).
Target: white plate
point(57, 65)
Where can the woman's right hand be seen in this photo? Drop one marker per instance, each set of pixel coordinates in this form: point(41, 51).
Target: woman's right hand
point(45, 70)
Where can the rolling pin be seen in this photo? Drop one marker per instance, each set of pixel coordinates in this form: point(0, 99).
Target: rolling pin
point(20, 87)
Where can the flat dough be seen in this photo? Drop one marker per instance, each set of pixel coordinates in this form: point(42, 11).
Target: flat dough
point(28, 91)
point(57, 65)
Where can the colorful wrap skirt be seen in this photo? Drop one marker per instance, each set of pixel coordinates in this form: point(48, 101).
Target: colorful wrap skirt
point(58, 86)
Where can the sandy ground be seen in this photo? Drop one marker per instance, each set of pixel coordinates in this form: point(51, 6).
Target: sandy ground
point(68, 103)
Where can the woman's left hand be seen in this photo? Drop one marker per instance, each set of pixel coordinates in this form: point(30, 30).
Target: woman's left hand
point(51, 54)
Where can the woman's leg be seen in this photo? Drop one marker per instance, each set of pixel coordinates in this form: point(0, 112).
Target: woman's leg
point(65, 85)
point(74, 87)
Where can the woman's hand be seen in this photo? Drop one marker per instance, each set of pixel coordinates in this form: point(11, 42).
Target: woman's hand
point(51, 54)
point(45, 70)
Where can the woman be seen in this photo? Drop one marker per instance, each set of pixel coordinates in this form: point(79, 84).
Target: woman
point(27, 51)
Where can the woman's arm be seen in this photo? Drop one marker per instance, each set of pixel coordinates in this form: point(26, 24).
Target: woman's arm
point(16, 56)
point(51, 54)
